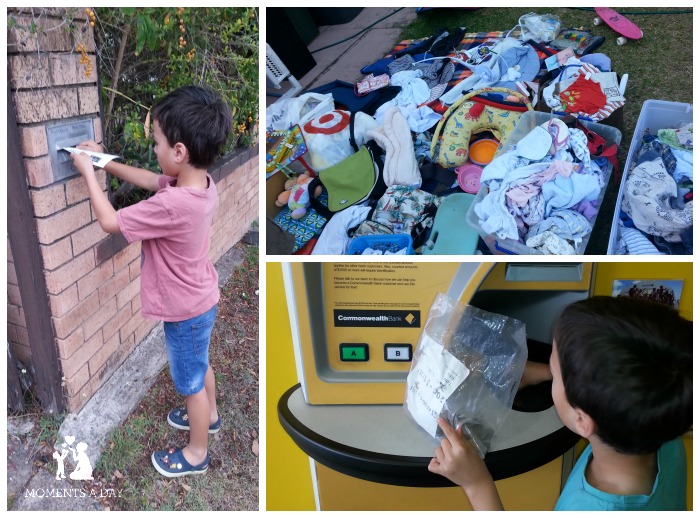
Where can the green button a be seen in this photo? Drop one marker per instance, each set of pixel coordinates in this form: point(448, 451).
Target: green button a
point(354, 352)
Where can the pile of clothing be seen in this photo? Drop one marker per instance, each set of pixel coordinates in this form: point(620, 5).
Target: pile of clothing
point(545, 191)
point(546, 201)
point(656, 215)
point(584, 89)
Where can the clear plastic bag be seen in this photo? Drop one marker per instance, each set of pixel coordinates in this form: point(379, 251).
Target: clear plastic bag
point(542, 28)
point(297, 110)
point(466, 369)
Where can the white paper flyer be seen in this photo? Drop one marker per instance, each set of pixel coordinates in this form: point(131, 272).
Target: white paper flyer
point(434, 377)
point(98, 159)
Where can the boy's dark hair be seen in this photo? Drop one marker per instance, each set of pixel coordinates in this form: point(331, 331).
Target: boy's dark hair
point(629, 365)
point(197, 117)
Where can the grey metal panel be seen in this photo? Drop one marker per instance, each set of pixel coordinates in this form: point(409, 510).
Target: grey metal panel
point(545, 272)
point(313, 274)
point(66, 135)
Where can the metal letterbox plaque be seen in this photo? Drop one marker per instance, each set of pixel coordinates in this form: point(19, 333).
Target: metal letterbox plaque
point(67, 134)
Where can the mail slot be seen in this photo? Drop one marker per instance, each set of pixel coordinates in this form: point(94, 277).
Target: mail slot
point(66, 135)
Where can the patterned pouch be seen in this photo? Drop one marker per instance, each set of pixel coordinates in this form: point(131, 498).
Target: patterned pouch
point(372, 83)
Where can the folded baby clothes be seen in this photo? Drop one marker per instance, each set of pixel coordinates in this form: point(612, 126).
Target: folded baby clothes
point(583, 96)
point(569, 225)
point(550, 244)
point(647, 198)
point(633, 242)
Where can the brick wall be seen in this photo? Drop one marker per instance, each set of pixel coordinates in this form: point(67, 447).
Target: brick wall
point(92, 278)
point(237, 185)
point(16, 325)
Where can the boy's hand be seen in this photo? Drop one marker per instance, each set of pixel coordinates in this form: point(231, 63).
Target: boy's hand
point(91, 145)
point(83, 163)
point(457, 459)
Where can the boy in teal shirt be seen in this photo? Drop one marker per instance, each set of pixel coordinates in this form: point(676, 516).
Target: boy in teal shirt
point(622, 378)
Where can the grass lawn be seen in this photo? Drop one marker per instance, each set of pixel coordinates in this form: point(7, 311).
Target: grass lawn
point(660, 65)
point(231, 483)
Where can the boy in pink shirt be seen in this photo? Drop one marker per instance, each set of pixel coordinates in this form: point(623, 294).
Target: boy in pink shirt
point(179, 285)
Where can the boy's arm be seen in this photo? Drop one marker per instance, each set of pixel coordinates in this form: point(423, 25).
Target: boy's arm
point(535, 373)
point(106, 215)
point(457, 459)
point(140, 177)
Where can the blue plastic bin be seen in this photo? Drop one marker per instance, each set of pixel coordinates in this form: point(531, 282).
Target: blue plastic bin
point(384, 242)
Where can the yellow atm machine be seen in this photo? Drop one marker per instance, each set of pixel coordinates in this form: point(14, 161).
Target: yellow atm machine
point(355, 327)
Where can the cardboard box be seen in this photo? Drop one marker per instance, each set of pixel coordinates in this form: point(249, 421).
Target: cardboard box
point(616, 119)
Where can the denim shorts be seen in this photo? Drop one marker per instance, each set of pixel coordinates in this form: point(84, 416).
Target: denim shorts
point(187, 344)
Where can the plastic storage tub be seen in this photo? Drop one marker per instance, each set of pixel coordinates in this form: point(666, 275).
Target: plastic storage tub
point(525, 125)
point(654, 115)
point(384, 242)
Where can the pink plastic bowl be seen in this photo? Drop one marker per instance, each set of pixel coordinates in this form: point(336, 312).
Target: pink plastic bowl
point(468, 177)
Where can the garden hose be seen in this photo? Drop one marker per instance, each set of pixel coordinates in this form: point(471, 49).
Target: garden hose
point(358, 33)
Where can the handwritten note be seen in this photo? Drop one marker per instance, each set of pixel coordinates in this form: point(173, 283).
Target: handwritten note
point(431, 380)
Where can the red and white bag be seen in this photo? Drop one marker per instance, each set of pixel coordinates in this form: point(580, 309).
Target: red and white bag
point(328, 137)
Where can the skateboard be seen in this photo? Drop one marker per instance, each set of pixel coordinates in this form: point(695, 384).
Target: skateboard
point(618, 23)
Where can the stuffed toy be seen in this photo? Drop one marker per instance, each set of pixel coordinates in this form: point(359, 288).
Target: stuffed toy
point(296, 195)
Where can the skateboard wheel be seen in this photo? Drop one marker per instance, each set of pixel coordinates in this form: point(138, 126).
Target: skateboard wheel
point(621, 40)
point(597, 21)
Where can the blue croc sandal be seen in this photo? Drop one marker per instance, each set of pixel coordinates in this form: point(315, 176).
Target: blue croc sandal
point(171, 463)
point(177, 418)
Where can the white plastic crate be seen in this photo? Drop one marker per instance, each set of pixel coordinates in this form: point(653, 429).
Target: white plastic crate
point(525, 125)
point(654, 115)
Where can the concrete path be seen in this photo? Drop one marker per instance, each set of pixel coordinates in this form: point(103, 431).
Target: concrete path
point(105, 411)
point(344, 61)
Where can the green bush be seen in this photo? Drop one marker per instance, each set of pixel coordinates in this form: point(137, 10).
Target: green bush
point(144, 53)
